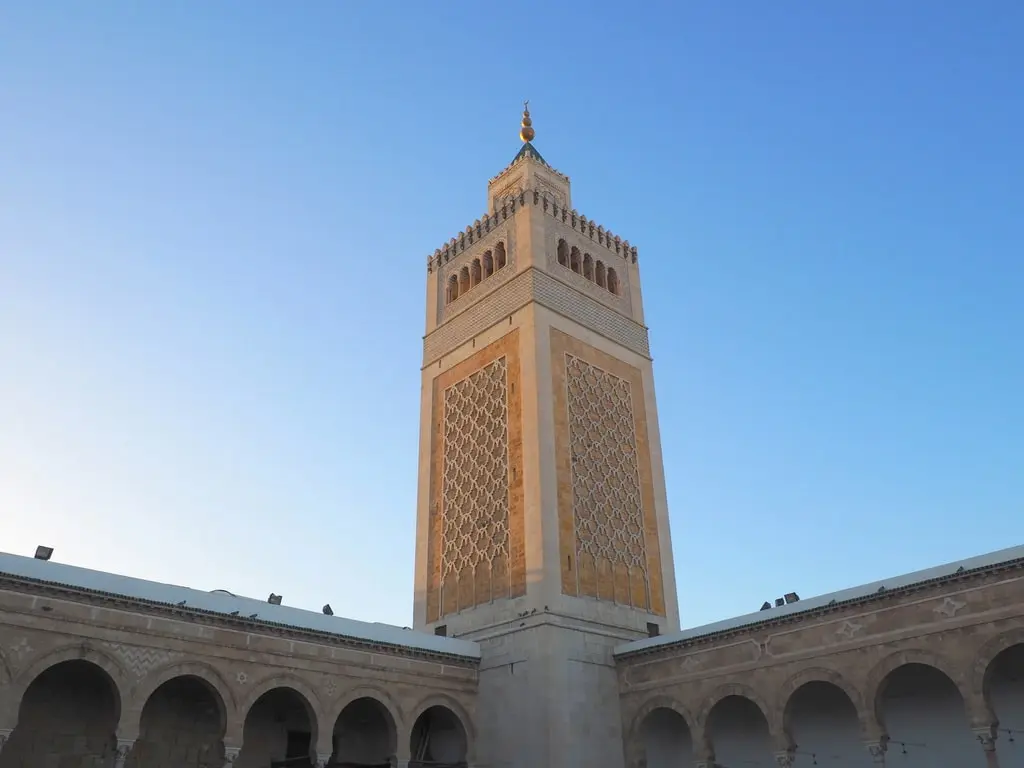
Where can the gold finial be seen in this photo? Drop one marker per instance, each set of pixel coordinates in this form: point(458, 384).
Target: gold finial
point(526, 133)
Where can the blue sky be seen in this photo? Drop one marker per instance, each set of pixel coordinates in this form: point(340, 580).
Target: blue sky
point(214, 220)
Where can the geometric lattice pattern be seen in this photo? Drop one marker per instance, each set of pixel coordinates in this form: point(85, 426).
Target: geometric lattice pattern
point(475, 474)
point(606, 497)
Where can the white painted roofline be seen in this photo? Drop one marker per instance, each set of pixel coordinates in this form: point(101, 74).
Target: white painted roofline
point(802, 606)
point(225, 604)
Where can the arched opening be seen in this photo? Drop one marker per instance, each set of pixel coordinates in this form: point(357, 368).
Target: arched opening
point(563, 253)
point(474, 273)
point(666, 740)
point(822, 721)
point(68, 716)
point(739, 733)
point(499, 256)
point(438, 740)
point(613, 281)
point(182, 725)
point(453, 288)
point(488, 260)
point(364, 735)
point(923, 712)
point(588, 266)
point(463, 280)
point(1004, 690)
point(279, 732)
point(574, 260)
point(600, 276)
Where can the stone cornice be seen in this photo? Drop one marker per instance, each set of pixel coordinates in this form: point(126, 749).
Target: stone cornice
point(961, 577)
point(112, 601)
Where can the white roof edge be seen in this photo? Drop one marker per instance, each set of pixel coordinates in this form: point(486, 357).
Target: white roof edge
point(226, 604)
point(820, 601)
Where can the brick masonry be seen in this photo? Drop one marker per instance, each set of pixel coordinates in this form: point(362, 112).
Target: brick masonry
point(534, 285)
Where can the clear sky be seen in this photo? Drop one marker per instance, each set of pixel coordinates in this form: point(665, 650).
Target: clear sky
point(214, 224)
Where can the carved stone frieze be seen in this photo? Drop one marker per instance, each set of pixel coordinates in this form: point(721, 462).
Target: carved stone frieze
point(684, 666)
point(36, 643)
point(139, 660)
point(949, 607)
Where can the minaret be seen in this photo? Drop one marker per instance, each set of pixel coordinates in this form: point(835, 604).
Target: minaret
point(542, 523)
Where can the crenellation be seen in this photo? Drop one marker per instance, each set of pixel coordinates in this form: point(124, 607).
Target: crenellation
point(542, 201)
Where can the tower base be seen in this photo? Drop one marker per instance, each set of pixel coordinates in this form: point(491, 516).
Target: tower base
point(549, 695)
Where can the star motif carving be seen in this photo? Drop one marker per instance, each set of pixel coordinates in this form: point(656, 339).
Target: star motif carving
point(689, 664)
point(849, 630)
point(949, 607)
point(21, 648)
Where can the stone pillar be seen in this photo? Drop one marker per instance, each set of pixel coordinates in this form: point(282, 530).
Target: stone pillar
point(877, 751)
point(5, 734)
point(987, 739)
point(124, 747)
point(230, 755)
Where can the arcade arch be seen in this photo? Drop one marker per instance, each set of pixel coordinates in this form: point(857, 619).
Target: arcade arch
point(923, 713)
point(822, 721)
point(182, 724)
point(664, 738)
point(738, 732)
point(280, 725)
point(1004, 692)
point(69, 712)
point(365, 734)
point(439, 739)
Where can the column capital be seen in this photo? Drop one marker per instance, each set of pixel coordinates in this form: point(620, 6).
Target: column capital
point(323, 760)
point(231, 755)
point(784, 759)
point(877, 750)
point(124, 748)
point(986, 736)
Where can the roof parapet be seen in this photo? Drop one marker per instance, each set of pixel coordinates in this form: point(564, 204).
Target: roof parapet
point(546, 203)
point(521, 158)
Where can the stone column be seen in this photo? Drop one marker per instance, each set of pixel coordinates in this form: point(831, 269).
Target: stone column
point(124, 747)
point(987, 739)
point(230, 755)
point(877, 751)
point(5, 734)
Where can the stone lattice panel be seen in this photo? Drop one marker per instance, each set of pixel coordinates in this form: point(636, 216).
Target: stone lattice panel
point(606, 482)
point(476, 549)
point(474, 516)
point(608, 529)
point(606, 502)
